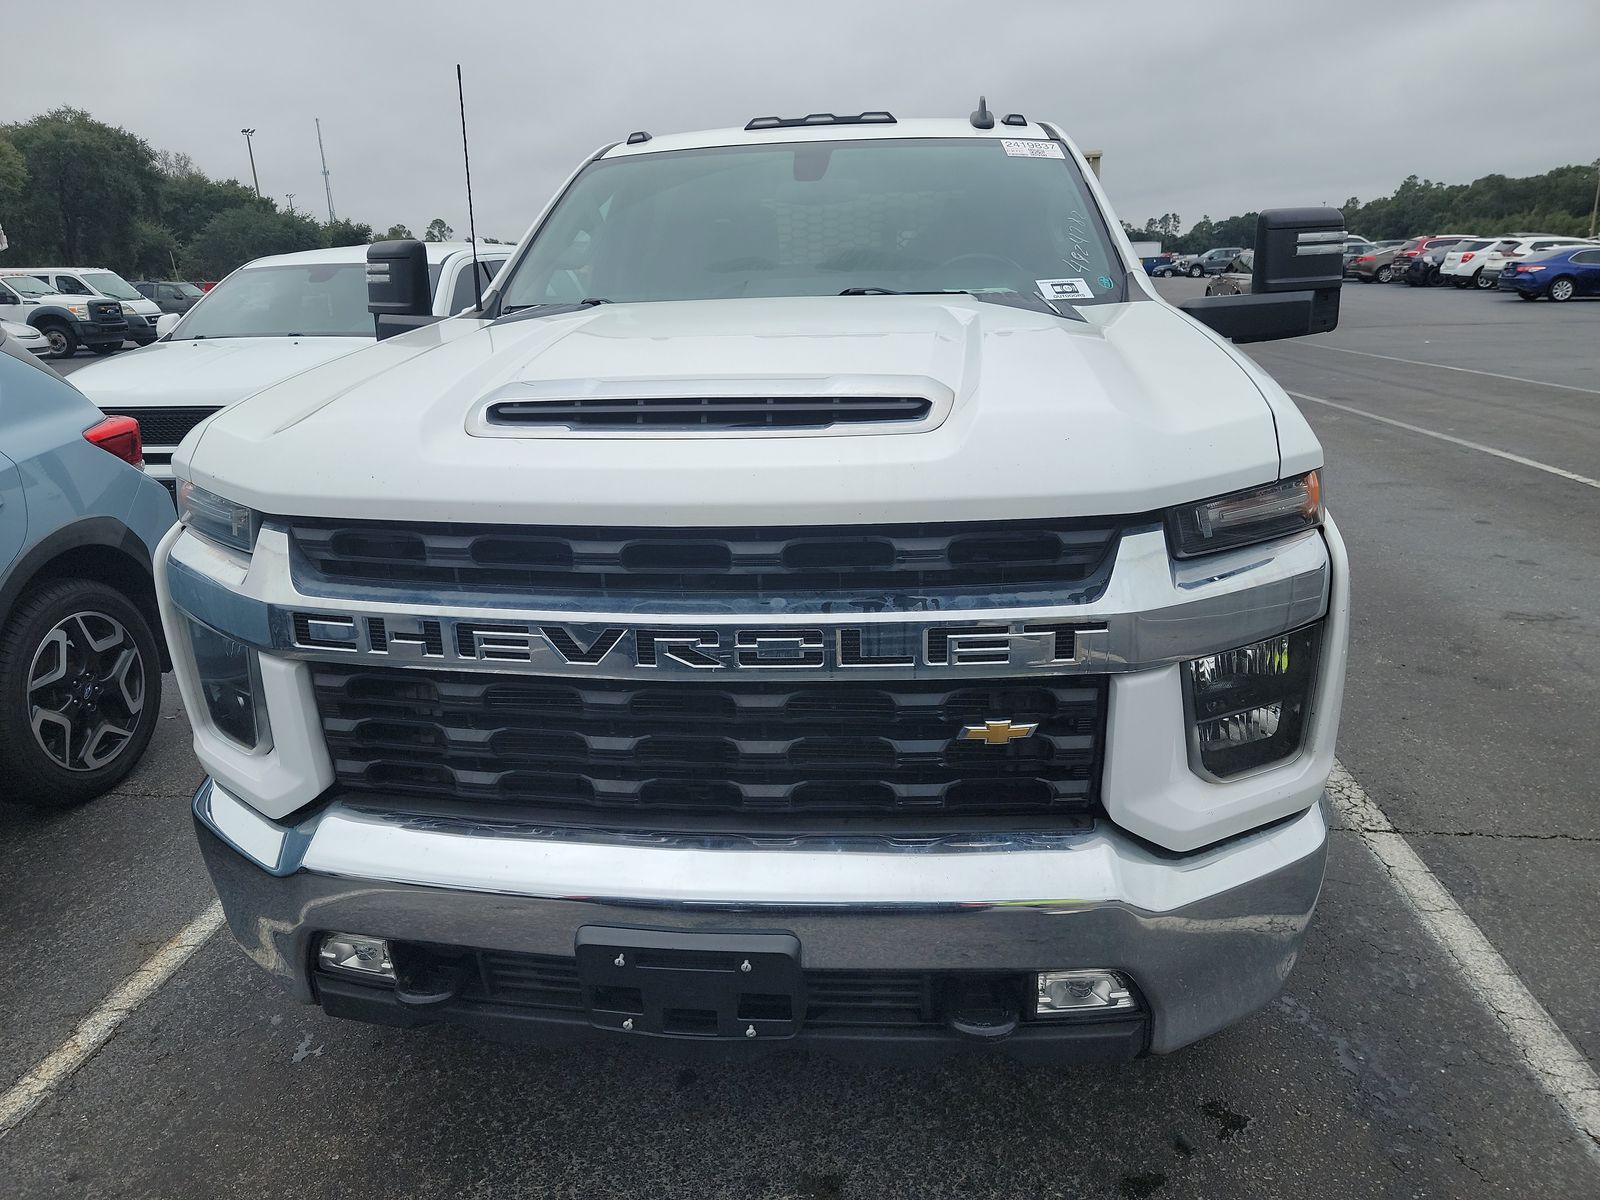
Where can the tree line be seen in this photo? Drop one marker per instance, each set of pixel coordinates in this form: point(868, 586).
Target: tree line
point(1559, 201)
point(74, 190)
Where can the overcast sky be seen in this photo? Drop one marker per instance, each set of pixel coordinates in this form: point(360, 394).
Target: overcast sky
point(1214, 107)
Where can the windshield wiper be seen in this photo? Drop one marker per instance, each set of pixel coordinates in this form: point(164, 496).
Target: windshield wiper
point(1007, 296)
point(521, 312)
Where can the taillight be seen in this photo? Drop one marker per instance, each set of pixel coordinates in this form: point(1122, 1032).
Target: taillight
point(1513, 254)
point(1366, 257)
point(119, 436)
point(1468, 256)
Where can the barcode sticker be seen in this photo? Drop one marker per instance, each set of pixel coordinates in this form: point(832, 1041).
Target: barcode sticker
point(1032, 148)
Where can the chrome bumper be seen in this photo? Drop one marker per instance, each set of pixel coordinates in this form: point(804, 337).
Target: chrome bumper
point(1208, 937)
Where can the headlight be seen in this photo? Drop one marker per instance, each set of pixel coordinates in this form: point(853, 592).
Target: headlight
point(216, 517)
point(81, 311)
point(1247, 706)
point(1254, 515)
point(230, 685)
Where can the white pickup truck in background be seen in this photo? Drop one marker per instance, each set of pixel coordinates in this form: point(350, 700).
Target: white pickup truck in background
point(272, 318)
point(824, 594)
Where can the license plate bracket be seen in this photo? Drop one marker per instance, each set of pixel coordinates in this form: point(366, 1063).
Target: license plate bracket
point(664, 983)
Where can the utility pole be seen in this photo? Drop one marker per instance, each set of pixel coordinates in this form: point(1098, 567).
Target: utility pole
point(248, 134)
point(327, 186)
point(1594, 209)
point(291, 202)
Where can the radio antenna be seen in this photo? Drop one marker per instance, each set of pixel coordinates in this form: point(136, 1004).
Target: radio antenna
point(472, 225)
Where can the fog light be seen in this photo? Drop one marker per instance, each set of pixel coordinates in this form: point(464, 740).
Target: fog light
point(1247, 706)
point(230, 685)
point(357, 954)
point(1062, 992)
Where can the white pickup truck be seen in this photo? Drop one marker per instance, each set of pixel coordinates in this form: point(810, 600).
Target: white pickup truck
point(272, 318)
point(824, 594)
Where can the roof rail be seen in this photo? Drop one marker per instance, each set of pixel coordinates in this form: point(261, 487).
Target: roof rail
point(866, 118)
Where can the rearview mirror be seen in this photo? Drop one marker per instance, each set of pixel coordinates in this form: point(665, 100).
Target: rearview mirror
point(1295, 279)
point(166, 323)
point(399, 292)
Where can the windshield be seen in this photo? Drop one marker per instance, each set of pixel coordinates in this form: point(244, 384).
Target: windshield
point(27, 285)
point(308, 300)
point(111, 285)
point(188, 291)
point(822, 218)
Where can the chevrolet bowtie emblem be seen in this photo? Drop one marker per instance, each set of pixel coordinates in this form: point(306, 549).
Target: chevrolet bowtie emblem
point(997, 733)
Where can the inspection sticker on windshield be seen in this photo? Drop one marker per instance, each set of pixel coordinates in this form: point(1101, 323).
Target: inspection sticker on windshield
point(1032, 148)
point(1064, 289)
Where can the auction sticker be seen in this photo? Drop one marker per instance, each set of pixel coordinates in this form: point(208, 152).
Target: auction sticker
point(1032, 148)
point(1064, 289)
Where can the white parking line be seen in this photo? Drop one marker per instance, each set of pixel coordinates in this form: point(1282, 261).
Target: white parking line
point(96, 1029)
point(1555, 1062)
point(1451, 438)
point(1416, 362)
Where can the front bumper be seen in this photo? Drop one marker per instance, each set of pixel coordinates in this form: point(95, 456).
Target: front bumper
point(1207, 938)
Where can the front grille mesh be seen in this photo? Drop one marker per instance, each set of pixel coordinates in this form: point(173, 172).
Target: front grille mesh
point(740, 754)
point(163, 426)
point(708, 413)
point(847, 561)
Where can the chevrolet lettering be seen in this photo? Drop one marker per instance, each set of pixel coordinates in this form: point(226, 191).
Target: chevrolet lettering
point(772, 617)
point(602, 649)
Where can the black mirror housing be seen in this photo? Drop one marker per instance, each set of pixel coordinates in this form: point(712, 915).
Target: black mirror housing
point(1295, 280)
point(398, 287)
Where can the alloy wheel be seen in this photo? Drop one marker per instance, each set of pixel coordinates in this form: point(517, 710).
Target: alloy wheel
point(86, 689)
point(1562, 289)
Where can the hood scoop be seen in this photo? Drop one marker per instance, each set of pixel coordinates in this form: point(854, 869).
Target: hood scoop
point(716, 408)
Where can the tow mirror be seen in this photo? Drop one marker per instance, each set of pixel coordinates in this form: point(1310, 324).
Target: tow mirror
point(1294, 280)
point(399, 292)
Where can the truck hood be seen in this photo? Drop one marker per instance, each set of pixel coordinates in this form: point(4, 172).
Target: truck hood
point(1130, 410)
point(208, 373)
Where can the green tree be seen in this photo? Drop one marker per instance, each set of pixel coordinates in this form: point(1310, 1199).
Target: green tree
point(187, 202)
point(396, 233)
point(13, 179)
point(438, 231)
point(346, 233)
point(154, 252)
point(237, 235)
point(88, 183)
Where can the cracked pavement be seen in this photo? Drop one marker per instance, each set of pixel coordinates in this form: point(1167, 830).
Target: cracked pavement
point(1377, 1072)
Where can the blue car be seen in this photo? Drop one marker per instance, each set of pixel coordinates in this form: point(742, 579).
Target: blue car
point(1558, 274)
point(81, 652)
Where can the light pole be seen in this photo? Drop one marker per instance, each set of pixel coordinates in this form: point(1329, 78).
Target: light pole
point(1594, 209)
point(291, 202)
point(248, 134)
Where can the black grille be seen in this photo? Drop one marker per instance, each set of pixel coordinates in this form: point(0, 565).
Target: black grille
point(163, 426)
point(848, 561)
point(834, 999)
point(730, 413)
point(739, 755)
point(107, 311)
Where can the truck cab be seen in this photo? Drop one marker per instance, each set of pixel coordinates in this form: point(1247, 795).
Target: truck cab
point(66, 321)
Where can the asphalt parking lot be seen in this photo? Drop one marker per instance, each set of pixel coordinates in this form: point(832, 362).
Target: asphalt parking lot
point(1463, 441)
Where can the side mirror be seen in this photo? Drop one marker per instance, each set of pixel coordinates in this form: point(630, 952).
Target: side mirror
point(166, 323)
point(1294, 280)
point(399, 292)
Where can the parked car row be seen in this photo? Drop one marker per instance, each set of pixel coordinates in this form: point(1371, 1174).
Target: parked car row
point(92, 308)
point(1468, 261)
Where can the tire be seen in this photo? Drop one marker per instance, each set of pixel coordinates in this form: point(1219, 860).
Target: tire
point(1562, 289)
point(63, 342)
point(1196, 271)
point(1434, 278)
point(1385, 273)
point(1458, 283)
point(1483, 282)
point(80, 692)
point(1526, 296)
point(1366, 278)
point(102, 351)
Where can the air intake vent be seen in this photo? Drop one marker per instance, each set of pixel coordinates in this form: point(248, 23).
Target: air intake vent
point(739, 413)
